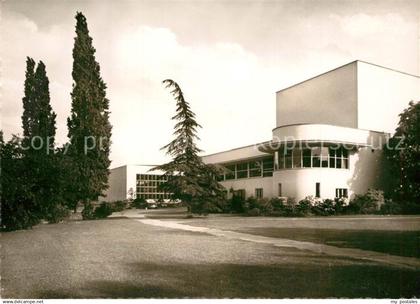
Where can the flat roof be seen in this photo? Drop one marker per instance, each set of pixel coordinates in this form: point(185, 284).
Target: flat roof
point(341, 66)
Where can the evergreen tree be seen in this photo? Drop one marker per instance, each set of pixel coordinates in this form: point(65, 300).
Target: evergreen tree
point(29, 102)
point(89, 127)
point(38, 121)
point(189, 179)
point(403, 155)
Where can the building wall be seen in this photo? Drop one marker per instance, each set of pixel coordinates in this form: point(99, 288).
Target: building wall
point(363, 173)
point(117, 185)
point(250, 184)
point(330, 98)
point(383, 94)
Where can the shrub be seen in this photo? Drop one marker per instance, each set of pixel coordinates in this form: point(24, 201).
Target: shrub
point(18, 217)
point(139, 203)
point(304, 206)
point(254, 212)
point(390, 207)
point(265, 206)
point(325, 207)
point(236, 204)
point(119, 206)
point(103, 211)
point(367, 203)
point(277, 204)
point(251, 203)
point(340, 205)
point(88, 212)
point(57, 214)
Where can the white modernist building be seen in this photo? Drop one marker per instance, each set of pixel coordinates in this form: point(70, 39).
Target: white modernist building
point(328, 136)
point(134, 181)
point(327, 141)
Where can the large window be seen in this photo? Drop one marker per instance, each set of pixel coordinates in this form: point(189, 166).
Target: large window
point(242, 170)
point(315, 157)
point(341, 192)
point(148, 186)
point(255, 168)
point(259, 167)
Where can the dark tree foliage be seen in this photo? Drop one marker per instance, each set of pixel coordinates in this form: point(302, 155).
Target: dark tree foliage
point(403, 155)
point(189, 179)
point(18, 209)
point(30, 170)
point(89, 129)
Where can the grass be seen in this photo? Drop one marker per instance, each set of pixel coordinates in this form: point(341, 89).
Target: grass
point(123, 258)
point(402, 243)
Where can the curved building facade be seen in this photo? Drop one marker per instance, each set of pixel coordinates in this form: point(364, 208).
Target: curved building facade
point(328, 137)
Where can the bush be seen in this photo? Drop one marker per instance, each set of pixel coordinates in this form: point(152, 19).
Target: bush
point(140, 203)
point(325, 207)
point(367, 203)
point(119, 206)
point(57, 214)
point(390, 207)
point(254, 212)
point(340, 205)
point(103, 211)
point(236, 204)
point(88, 212)
point(16, 217)
point(304, 207)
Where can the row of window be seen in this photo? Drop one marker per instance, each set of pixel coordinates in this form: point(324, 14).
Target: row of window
point(259, 192)
point(154, 195)
point(316, 157)
point(151, 177)
point(261, 167)
point(147, 186)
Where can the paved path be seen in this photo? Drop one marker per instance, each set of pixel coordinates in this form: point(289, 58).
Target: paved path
point(398, 261)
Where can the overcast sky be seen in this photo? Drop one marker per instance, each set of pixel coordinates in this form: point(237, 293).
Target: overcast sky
point(229, 57)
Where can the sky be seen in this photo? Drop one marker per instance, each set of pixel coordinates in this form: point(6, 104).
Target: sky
point(229, 57)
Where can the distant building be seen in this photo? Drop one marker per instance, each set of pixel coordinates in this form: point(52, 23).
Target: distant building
point(327, 141)
point(135, 181)
point(328, 137)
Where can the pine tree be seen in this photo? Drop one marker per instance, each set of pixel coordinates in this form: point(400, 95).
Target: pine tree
point(189, 179)
point(89, 127)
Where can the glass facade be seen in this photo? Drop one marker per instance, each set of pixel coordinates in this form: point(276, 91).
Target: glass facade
point(259, 167)
point(147, 186)
point(315, 157)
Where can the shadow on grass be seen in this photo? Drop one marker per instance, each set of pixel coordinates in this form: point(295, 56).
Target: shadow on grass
point(401, 243)
point(254, 281)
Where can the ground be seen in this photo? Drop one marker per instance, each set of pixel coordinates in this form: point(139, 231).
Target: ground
point(161, 254)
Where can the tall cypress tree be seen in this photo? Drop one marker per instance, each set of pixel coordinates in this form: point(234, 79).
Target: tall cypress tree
point(28, 101)
point(189, 179)
point(89, 129)
point(38, 121)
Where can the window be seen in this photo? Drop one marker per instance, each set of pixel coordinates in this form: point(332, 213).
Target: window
point(316, 157)
point(288, 158)
point(230, 174)
point(306, 158)
point(280, 190)
point(341, 192)
point(318, 190)
point(297, 158)
point(242, 170)
point(281, 159)
point(259, 192)
point(239, 193)
point(268, 166)
point(255, 168)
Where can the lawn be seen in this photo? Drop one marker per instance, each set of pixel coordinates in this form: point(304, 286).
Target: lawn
point(402, 243)
point(124, 258)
